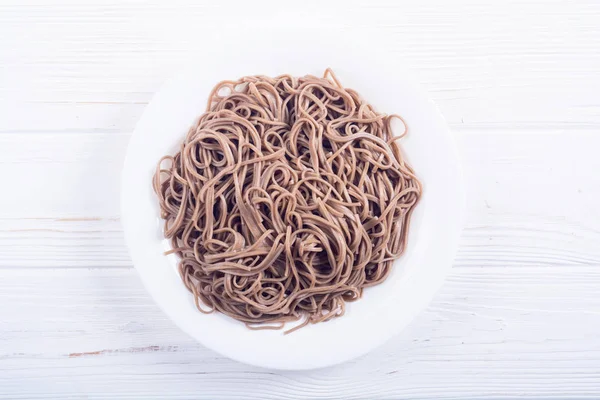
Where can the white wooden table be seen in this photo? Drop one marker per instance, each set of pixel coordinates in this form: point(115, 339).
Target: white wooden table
point(519, 83)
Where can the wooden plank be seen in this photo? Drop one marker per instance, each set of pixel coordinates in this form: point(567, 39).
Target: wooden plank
point(497, 331)
point(94, 66)
point(525, 206)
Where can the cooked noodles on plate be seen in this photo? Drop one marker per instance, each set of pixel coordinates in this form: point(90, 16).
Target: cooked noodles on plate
point(287, 198)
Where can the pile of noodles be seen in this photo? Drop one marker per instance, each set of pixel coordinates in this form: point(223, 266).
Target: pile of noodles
point(287, 199)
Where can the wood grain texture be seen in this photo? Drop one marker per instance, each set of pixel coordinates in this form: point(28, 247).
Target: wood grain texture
point(518, 83)
point(492, 331)
point(524, 207)
point(94, 66)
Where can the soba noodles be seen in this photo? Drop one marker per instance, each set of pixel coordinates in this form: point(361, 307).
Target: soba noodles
point(287, 199)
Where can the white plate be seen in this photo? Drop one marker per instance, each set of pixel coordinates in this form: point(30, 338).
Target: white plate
point(385, 309)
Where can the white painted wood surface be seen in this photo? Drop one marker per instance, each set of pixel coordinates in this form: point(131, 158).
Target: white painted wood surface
point(519, 84)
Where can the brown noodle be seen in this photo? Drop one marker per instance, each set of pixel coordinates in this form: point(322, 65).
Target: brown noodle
point(287, 199)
